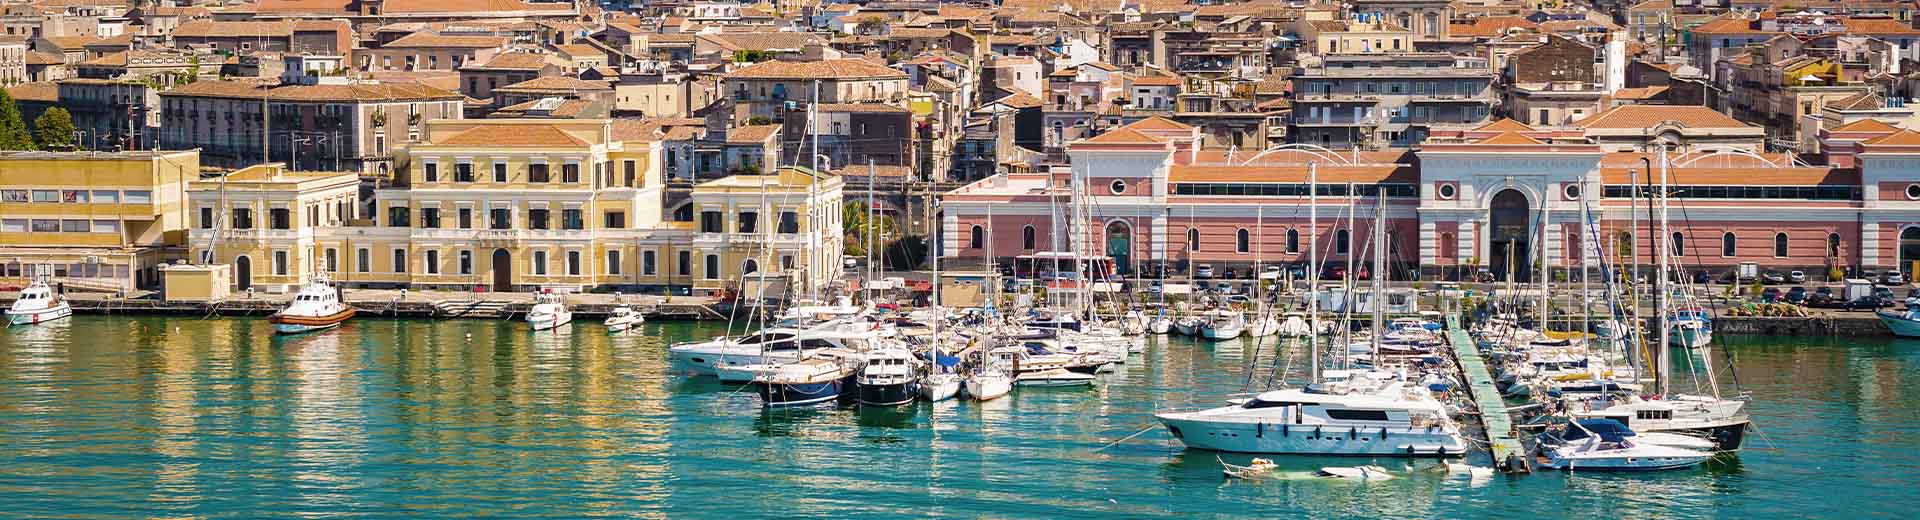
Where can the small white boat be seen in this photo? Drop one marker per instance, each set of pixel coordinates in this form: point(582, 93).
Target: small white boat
point(1258, 469)
point(1607, 445)
point(1263, 326)
point(317, 306)
point(988, 384)
point(1905, 325)
point(623, 319)
point(549, 312)
point(940, 386)
point(1692, 329)
point(1054, 377)
point(1369, 473)
point(1223, 324)
point(1159, 325)
point(1188, 326)
point(1295, 326)
point(38, 304)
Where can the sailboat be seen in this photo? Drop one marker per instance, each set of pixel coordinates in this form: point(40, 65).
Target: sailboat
point(988, 380)
point(1223, 324)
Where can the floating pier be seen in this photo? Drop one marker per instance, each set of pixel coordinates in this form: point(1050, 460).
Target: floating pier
point(1508, 453)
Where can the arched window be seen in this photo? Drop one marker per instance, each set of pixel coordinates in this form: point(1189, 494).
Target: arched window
point(749, 267)
point(1193, 239)
point(1833, 245)
point(1679, 245)
point(1727, 245)
point(1780, 245)
point(1448, 246)
point(977, 239)
point(1293, 241)
point(1241, 243)
point(1026, 237)
point(1340, 242)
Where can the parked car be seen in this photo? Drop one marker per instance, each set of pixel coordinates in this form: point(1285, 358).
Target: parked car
point(1822, 297)
point(1881, 297)
point(1893, 277)
point(1338, 272)
point(1229, 274)
point(1203, 271)
point(1913, 296)
point(1796, 276)
point(1772, 277)
point(1154, 288)
point(1797, 296)
point(1702, 277)
point(1770, 295)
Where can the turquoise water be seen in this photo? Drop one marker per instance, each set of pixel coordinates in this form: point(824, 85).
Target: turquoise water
point(122, 417)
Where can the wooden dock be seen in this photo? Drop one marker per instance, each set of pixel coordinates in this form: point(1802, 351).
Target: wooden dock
point(1508, 453)
point(393, 308)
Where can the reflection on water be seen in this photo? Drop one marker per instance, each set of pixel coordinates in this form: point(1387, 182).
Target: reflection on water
point(181, 417)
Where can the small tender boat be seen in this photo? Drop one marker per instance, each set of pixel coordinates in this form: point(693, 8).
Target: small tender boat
point(1259, 468)
point(623, 319)
point(549, 312)
point(1054, 377)
point(1371, 473)
point(317, 306)
point(1905, 324)
point(38, 304)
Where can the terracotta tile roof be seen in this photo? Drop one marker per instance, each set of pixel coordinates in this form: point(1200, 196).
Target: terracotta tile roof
point(118, 59)
point(1901, 138)
point(512, 135)
point(751, 134)
point(867, 108)
point(1637, 93)
point(904, 33)
point(1504, 125)
point(468, 6)
point(1491, 26)
point(760, 41)
point(225, 29)
point(1158, 123)
point(1155, 80)
point(650, 129)
point(1728, 26)
point(555, 83)
point(579, 50)
point(1646, 116)
point(303, 6)
point(1122, 135)
point(1866, 125)
point(841, 69)
point(1365, 174)
point(1878, 26)
point(1019, 99)
point(1509, 137)
point(68, 42)
point(364, 92)
point(1624, 168)
point(428, 40)
point(570, 108)
point(42, 58)
point(511, 61)
point(1862, 101)
point(46, 91)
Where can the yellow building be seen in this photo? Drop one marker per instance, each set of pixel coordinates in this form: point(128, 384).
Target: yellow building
point(266, 222)
point(93, 220)
point(787, 222)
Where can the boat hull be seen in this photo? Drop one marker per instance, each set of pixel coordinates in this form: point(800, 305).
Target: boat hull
point(1250, 437)
point(1690, 338)
point(290, 324)
point(1900, 325)
point(621, 325)
point(788, 395)
point(555, 322)
point(987, 388)
point(1220, 333)
point(894, 394)
point(940, 388)
point(40, 316)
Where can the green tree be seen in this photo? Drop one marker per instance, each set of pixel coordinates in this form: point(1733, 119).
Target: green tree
point(53, 130)
point(13, 130)
point(853, 216)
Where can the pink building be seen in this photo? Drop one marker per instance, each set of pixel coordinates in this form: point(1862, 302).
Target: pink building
point(1449, 209)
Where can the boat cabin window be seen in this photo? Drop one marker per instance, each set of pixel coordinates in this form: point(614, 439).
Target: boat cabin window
point(1256, 403)
point(764, 338)
point(1357, 415)
point(1653, 414)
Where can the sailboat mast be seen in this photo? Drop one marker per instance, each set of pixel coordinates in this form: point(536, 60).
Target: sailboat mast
point(1660, 311)
point(1545, 269)
point(1313, 269)
point(1379, 288)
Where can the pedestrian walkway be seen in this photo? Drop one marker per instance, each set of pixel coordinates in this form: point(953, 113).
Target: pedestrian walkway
point(1494, 417)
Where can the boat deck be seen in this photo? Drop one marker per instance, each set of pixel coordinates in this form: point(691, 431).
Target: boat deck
point(1494, 417)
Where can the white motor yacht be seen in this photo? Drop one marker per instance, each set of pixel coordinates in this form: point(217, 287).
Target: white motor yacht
point(772, 345)
point(38, 304)
point(1607, 445)
point(549, 312)
point(623, 318)
point(317, 306)
point(1395, 420)
point(1053, 377)
point(887, 379)
point(822, 376)
point(1721, 420)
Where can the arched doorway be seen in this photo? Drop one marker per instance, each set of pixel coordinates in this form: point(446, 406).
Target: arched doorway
point(1508, 233)
point(502, 270)
point(1120, 246)
point(1909, 249)
point(242, 273)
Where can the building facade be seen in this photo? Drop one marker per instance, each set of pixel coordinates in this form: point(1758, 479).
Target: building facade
point(107, 221)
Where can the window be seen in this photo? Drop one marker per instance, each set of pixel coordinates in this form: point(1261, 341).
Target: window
point(789, 222)
point(1118, 187)
point(570, 173)
point(365, 258)
point(537, 219)
point(430, 218)
point(242, 218)
point(1340, 240)
point(1780, 245)
point(41, 225)
point(46, 195)
point(106, 226)
point(206, 218)
point(575, 219)
point(540, 263)
point(1727, 245)
point(1193, 239)
point(1241, 243)
point(685, 266)
point(137, 197)
point(399, 260)
point(1341, 414)
point(398, 216)
point(500, 172)
point(1833, 245)
point(73, 196)
point(14, 196)
point(432, 172)
point(433, 261)
point(615, 220)
point(710, 222)
point(1026, 237)
point(463, 172)
point(500, 218)
point(280, 218)
point(976, 237)
point(1679, 245)
point(631, 172)
point(14, 225)
point(332, 260)
point(466, 262)
point(465, 217)
point(1293, 241)
point(749, 220)
point(280, 263)
point(573, 263)
point(537, 172)
point(647, 263)
point(713, 267)
point(786, 261)
point(75, 226)
point(613, 261)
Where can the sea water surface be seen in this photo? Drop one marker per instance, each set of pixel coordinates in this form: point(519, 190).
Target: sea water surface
point(152, 417)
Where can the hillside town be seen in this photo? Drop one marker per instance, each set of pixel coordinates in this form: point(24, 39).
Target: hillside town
point(671, 145)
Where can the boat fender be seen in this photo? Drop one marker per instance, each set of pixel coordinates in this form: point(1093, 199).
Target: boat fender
point(1383, 433)
point(1285, 431)
point(1259, 429)
point(1353, 432)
